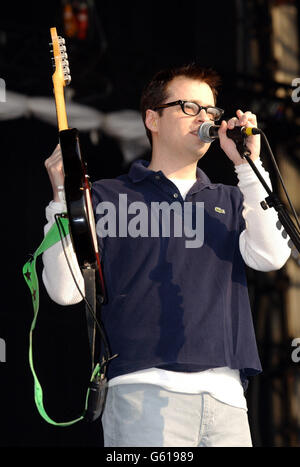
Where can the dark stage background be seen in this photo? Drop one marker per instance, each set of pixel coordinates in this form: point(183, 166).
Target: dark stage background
point(127, 43)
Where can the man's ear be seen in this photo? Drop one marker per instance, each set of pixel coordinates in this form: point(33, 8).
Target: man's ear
point(151, 120)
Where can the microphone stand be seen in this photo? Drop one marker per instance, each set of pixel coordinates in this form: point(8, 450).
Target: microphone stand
point(271, 201)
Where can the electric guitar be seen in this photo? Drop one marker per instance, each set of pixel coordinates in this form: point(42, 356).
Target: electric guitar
point(77, 184)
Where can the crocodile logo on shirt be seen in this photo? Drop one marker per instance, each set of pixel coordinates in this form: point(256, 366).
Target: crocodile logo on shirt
point(219, 210)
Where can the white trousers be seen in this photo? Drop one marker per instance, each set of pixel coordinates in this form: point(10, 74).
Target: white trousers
point(142, 415)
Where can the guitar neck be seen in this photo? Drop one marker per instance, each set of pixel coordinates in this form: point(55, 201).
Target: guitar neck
point(61, 113)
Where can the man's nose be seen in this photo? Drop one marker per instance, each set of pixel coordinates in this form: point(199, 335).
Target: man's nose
point(202, 116)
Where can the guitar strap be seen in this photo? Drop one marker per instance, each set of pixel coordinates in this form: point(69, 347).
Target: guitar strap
point(97, 379)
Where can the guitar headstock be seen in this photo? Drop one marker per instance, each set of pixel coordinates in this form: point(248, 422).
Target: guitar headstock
point(61, 75)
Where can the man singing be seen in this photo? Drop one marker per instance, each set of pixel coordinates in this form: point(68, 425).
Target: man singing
point(177, 313)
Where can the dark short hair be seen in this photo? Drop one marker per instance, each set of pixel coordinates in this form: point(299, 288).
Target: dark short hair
point(155, 92)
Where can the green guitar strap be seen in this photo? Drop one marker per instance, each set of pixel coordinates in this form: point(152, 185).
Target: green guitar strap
point(30, 275)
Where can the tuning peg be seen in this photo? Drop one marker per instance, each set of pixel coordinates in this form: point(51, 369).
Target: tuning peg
point(278, 225)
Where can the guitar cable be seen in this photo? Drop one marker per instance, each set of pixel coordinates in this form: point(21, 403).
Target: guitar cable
point(98, 385)
point(100, 329)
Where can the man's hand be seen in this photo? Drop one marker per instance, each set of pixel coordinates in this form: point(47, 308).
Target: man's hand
point(54, 166)
point(247, 119)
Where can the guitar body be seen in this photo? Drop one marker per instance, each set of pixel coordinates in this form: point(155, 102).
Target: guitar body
point(75, 193)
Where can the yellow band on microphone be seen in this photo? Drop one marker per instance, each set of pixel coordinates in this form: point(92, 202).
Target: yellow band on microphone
point(248, 131)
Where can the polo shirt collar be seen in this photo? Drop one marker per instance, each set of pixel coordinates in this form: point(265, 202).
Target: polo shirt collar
point(139, 171)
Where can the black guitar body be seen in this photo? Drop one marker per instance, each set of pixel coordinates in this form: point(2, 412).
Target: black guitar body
point(80, 214)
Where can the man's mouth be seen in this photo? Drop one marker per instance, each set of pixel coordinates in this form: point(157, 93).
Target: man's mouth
point(195, 132)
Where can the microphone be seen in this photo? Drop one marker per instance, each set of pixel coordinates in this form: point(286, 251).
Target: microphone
point(208, 132)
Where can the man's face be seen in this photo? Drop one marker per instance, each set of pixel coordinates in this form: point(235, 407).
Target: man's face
point(178, 132)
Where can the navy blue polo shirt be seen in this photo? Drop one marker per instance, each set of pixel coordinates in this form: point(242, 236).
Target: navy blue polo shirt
point(169, 306)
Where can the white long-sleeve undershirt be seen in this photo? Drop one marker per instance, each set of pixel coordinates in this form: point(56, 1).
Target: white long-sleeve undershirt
point(262, 245)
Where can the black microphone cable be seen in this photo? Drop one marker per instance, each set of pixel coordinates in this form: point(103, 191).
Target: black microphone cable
point(279, 176)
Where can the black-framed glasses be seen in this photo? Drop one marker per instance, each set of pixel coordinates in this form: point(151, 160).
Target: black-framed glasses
point(193, 109)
